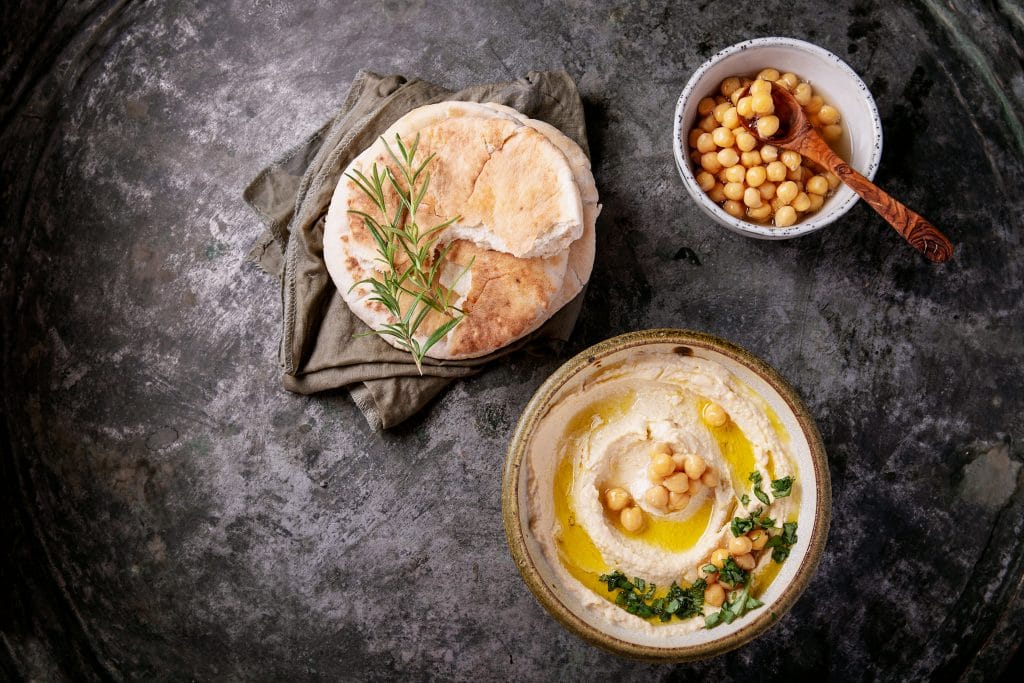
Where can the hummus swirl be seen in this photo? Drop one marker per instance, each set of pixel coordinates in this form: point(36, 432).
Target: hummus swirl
point(600, 436)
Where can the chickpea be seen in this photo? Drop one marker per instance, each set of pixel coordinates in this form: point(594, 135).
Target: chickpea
point(710, 163)
point(694, 136)
point(828, 114)
point(815, 105)
point(616, 498)
point(705, 106)
point(735, 174)
point(762, 103)
point(677, 483)
point(657, 496)
point(756, 175)
point(705, 181)
point(833, 180)
point(777, 203)
point(710, 477)
point(728, 157)
point(833, 132)
point(733, 208)
point(801, 202)
point(767, 190)
point(694, 466)
point(714, 415)
point(717, 193)
point(736, 95)
point(796, 175)
point(768, 126)
point(769, 153)
point(746, 142)
point(710, 577)
point(708, 123)
point(758, 538)
point(729, 85)
point(776, 171)
point(788, 80)
point(734, 191)
point(706, 143)
point(714, 595)
point(785, 216)
point(695, 487)
point(741, 545)
point(719, 111)
point(816, 201)
point(751, 197)
point(768, 74)
point(791, 159)
point(631, 518)
point(801, 93)
point(678, 501)
point(730, 119)
point(787, 192)
point(751, 158)
point(760, 86)
point(761, 213)
point(745, 561)
point(723, 137)
point(817, 184)
point(662, 465)
point(719, 557)
point(745, 107)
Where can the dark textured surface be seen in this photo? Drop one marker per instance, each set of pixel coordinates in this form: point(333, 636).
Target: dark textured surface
point(170, 512)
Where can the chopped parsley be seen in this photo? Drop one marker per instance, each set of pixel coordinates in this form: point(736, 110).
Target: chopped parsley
point(745, 499)
point(782, 487)
point(637, 597)
point(733, 574)
point(742, 603)
point(741, 525)
point(758, 493)
point(782, 543)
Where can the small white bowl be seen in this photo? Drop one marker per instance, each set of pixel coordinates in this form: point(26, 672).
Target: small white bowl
point(828, 75)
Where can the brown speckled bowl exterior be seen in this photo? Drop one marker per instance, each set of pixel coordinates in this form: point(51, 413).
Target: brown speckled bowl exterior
point(515, 461)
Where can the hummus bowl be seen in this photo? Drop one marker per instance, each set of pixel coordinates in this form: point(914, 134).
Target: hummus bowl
point(666, 495)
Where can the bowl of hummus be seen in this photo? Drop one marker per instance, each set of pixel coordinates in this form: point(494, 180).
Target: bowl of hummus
point(666, 495)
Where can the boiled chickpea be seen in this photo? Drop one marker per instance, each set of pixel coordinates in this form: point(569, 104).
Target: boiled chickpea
point(801, 202)
point(714, 415)
point(717, 193)
point(705, 181)
point(728, 157)
point(833, 132)
point(801, 93)
point(656, 496)
point(632, 519)
point(791, 159)
point(705, 106)
point(745, 107)
point(787, 192)
point(755, 176)
point(762, 103)
point(678, 501)
point(723, 137)
point(761, 213)
point(815, 105)
point(788, 80)
point(710, 477)
point(785, 216)
point(736, 95)
point(745, 141)
point(795, 176)
point(745, 561)
point(708, 123)
point(733, 208)
point(617, 499)
point(710, 163)
point(735, 174)
point(768, 74)
point(714, 595)
point(816, 201)
point(768, 126)
point(695, 487)
point(740, 545)
point(776, 171)
point(777, 203)
point(677, 483)
point(719, 557)
point(729, 85)
point(706, 143)
point(758, 538)
point(816, 184)
point(828, 114)
point(751, 158)
point(662, 465)
point(760, 87)
point(710, 577)
point(694, 466)
point(719, 111)
point(734, 191)
point(833, 180)
point(767, 190)
point(730, 119)
point(751, 197)
point(694, 136)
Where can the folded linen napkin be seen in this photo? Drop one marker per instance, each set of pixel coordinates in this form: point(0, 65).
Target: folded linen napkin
point(320, 344)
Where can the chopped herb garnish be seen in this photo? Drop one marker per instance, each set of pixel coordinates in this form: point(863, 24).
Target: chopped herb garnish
point(755, 477)
point(741, 525)
point(710, 569)
point(637, 597)
point(782, 543)
point(745, 499)
point(758, 493)
point(782, 487)
point(733, 574)
point(741, 603)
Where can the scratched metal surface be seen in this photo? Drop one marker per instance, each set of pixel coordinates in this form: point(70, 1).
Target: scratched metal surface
point(170, 512)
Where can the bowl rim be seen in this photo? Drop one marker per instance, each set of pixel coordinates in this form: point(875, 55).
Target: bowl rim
point(718, 213)
point(537, 407)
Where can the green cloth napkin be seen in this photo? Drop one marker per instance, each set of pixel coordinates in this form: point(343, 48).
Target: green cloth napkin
point(320, 347)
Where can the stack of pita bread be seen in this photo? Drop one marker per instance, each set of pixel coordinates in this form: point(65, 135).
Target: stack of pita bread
point(526, 205)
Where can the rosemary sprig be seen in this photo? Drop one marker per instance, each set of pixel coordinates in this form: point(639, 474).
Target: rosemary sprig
point(410, 256)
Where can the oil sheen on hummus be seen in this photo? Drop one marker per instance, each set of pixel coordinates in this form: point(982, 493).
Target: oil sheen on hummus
point(602, 442)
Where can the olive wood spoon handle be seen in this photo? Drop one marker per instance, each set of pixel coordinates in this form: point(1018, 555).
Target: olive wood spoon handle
point(796, 133)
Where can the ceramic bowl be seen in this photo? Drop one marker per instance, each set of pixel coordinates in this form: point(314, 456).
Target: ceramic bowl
point(830, 77)
point(814, 506)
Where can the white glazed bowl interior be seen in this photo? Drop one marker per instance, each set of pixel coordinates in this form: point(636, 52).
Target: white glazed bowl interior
point(800, 449)
point(830, 77)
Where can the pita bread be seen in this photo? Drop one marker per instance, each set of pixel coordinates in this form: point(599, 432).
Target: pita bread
point(482, 151)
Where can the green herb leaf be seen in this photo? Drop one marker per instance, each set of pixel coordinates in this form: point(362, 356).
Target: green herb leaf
point(781, 488)
point(745, 499)
point(762, 496)
point(733, 574)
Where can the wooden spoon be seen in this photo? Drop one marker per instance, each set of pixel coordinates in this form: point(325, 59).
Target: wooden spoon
point(796, 133)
